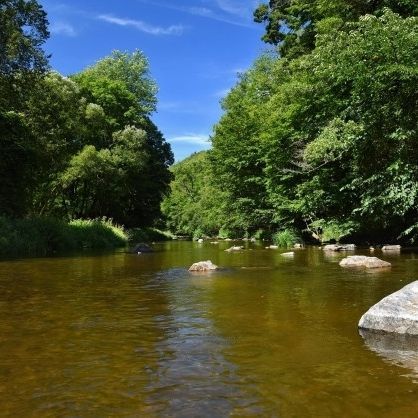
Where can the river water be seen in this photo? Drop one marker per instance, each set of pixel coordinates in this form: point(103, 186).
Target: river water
point(139, 336)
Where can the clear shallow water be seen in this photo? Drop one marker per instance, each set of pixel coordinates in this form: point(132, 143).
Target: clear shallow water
point(127, 335)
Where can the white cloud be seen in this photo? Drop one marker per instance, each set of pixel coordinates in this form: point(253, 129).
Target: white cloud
point(202, 140)
point(234, 7)
point(142, 26)
point(62, 28)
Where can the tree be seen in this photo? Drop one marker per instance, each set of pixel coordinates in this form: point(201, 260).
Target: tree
point(195, 205)
point(294, 24)
point(23, 30)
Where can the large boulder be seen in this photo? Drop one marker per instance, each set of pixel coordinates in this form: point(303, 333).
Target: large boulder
point(203, 266)
point(397, 312)
point(141, 248)
point(364, 261)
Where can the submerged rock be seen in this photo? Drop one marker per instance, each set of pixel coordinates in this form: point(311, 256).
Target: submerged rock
point(289, 254)
point(364, 261)
point(235, 248)
point(141, 248)
point(203, 266)
point(397, 312)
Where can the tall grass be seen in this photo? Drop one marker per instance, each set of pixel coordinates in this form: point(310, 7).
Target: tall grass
point(148, 235)
point(43, 236)
point(286, 238)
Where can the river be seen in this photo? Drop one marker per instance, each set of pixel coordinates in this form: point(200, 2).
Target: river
point(117, 334)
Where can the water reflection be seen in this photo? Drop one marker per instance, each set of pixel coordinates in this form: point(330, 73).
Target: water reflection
point(398, 349)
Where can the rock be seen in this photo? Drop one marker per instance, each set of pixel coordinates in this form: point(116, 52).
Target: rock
point(214, 242)
point(273, 247)
point(296, 246)
point(200, 240)
point(339, 247)
point(397, 312)
point(332, 247)
point(203, 266)
point(235, 248)
point(349, 247)
point(289, 254)
point(363, 261)
point(141, 248)
point(391, 248)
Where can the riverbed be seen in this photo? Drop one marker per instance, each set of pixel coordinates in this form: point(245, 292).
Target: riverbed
point(118, 334)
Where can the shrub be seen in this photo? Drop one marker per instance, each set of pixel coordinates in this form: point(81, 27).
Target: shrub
point(286, 238)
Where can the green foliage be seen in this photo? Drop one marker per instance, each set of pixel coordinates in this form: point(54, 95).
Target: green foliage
point(85, 146)
point(148, 235)
point(23, 30)
point(286, 238)
point(194, 206)
point(332, 230)
point(328, 136)
point(294, 24)
point(43, 236)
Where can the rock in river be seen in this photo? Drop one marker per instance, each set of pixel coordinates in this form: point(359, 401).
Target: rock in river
point(234, 248)
point(397, 312)
point(391, 248)
point(203, 266)
point(339, 247)
point(363, 261)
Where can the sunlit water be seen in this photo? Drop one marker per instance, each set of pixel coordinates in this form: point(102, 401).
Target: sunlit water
point(138, 335)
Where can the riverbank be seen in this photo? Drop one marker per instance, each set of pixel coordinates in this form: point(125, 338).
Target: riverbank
point(46, 236)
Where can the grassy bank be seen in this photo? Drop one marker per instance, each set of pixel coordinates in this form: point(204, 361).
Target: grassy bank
point(44, 236)
point(148, 235)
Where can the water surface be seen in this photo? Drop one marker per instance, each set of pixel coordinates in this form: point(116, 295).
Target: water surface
point(269, 336)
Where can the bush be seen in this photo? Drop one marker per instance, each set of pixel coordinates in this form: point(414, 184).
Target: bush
point(332, 230)
point(286, 238)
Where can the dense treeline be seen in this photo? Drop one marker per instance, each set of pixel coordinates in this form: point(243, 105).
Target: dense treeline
point(82, 146)
point(319, 138)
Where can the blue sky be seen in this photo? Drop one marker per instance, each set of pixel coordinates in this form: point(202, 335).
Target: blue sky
point(195, 49)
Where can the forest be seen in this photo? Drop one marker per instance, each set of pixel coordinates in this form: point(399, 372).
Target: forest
point(318, 139)
point(81, 147)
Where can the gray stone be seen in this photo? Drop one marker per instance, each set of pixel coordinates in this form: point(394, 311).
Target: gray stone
point(203, 266)
point(235, 248)
point(397, 312)
point(339, 247)
point(364, 261)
